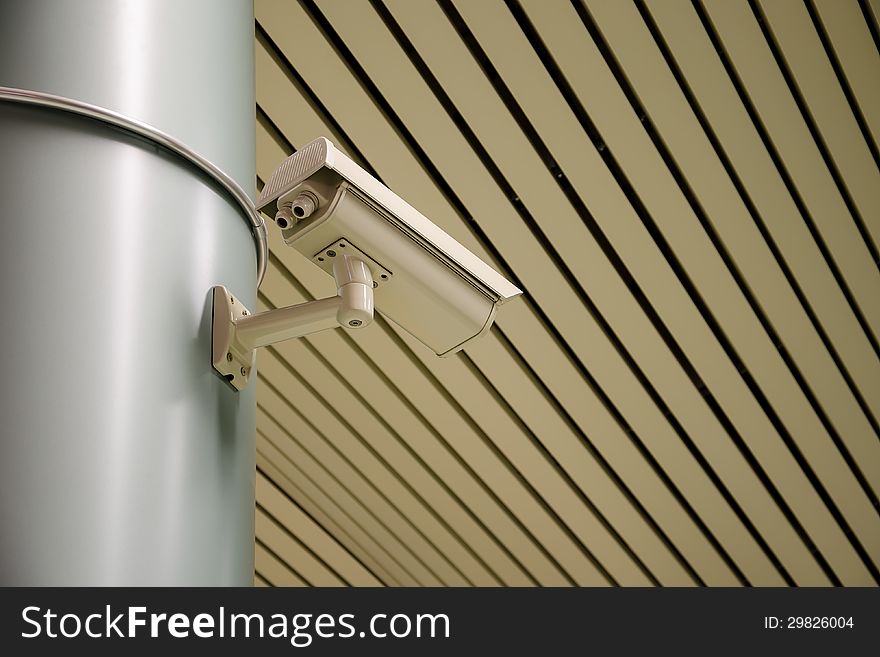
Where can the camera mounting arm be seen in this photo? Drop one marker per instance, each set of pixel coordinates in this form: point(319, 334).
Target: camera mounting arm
point(236, 333)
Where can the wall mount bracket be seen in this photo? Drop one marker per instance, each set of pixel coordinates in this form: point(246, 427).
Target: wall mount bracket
point(236, 333)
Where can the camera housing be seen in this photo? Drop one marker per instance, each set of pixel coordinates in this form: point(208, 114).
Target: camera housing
point(425, 281)
point(383, 253)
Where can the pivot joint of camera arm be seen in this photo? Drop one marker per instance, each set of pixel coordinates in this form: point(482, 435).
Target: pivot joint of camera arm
point(236, 333)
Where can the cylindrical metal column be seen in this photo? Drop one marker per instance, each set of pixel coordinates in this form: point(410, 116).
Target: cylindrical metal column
point(124, 459)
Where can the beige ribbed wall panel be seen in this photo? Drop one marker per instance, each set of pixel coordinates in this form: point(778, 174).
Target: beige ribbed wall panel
point(741, 36)
point(858, 55)
point(812, 71)
point(589, 75)
point(272, 571)
point(753, 165)
point(295, 483)
point(716, 284)
point(688, 391)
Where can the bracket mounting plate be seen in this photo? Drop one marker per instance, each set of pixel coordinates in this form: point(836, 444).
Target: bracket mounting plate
point(325, 257)
point(231, 361)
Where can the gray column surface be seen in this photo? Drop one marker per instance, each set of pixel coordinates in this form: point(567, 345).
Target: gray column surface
point(124, 459)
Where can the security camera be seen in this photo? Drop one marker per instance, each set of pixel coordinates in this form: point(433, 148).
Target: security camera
point(383, 254)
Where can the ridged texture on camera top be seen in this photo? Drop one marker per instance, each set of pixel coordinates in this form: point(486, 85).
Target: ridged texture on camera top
point(294, 170)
